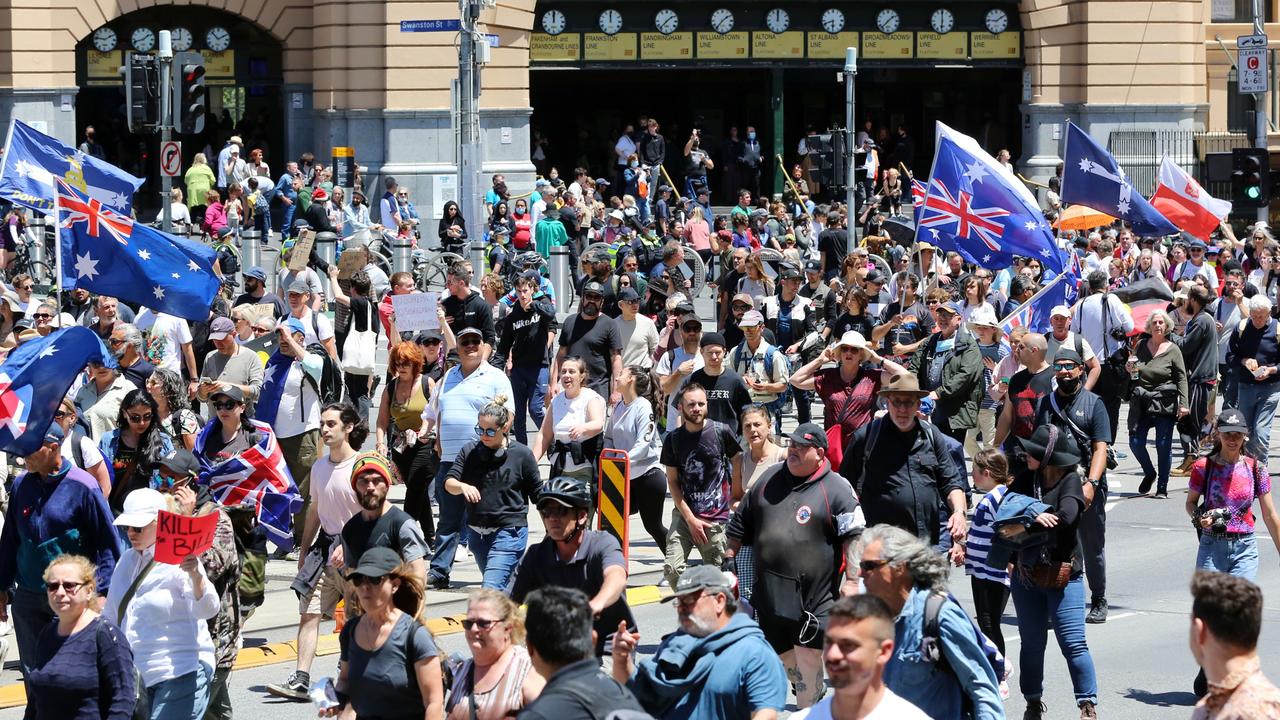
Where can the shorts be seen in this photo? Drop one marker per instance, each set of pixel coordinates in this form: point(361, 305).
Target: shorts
point(323, 600)
point(786, 635)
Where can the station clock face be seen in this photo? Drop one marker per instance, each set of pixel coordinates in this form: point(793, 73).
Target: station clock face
point(942, 21)
point(143, 40)
point(610, 22)
point(553, 22)
point(888, 22)
point(218, 39)
point(833, 20)
point(722, 20)
point(105, 40)
point(181, 39)
point(778, 21)
point(666, 21)
point(997, 21)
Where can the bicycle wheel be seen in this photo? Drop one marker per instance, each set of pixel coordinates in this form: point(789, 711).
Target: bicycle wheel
point(42, 276)
point(693, 261)
point(381, 262)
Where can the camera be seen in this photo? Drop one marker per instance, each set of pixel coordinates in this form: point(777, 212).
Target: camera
point(1218, 519)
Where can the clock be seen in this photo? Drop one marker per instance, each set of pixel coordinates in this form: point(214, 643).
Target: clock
point(778, 21)
point(181, 39)
point(218, 39)
point(997, 21)
point(942, 21)
point(143, 39)
point(666, 21)
point(833, 20)
point(104, 40)
point(553, 22)
point(610, 21)
point(887, 21)
point(722, 20)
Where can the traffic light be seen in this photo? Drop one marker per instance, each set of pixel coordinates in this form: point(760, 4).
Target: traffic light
point(1250, 177)
point(141, 91)
point(189, 100)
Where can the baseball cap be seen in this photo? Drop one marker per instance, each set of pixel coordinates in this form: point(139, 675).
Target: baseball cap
point(295, 326)
point(813, 266)
point(1068, 354)
point(809, 435)
point(628, 294)
point(469, 331)
point(232, 392)
point(141, 508)
point(1060, 311)
point(593, 287)
point(951, 307)
point(743, 298)
point(684, 308)
point(428, 336)
point(875, 276)
point(789, 272)
point(376, 562)
point(690, 321)
point(601, 182)
point(256, 273)
point(751, 318)
point(1231, 420)
point(221, 327)
point(299, 287)
point(54, 434)
point(698, 578)
point(181, 461)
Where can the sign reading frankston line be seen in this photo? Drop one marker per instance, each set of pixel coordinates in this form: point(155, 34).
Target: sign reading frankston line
point(1252, 63)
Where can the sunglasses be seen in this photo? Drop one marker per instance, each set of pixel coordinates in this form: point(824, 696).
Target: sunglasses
point(554, 511)
point(225, 405)
point(42, 316)
point(27, 287)
point(115, 341)
point(60, 414)
point(867, 566)
point(482, 624)
point(135, 529)
point(469, 342)
point(359, 580)
point(139, 418)
point(932, 302)
point(165, 482)
point(486, 432)
point(66, 585)
point(1065, 366)
point(741, 307)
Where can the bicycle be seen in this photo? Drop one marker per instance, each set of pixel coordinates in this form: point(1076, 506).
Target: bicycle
point(41, 274)
point(431, 268)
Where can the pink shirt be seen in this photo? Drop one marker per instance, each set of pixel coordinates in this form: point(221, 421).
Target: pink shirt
point(698, 234)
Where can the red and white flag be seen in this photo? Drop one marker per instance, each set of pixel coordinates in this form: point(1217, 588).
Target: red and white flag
point(1181, 199)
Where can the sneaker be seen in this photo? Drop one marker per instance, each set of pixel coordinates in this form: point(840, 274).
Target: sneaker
point(1035, 710)
point(1088, 711)
point(1144, 487)
point(295, 688)
point(436, 582)
point(1097, 612)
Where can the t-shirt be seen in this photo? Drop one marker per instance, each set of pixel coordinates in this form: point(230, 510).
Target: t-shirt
point(850, 404)
point(668, 364)
point(310, 326)
point(981, 532)
point(166, 335)
point(835, 243)
point(890, 707)
point(357, 537)
point(1069, 341)
point(299, 409)
point(378, 681)
point(701, 460)
point(594, 341)
point(727, 395)
point(846, 322)
point(331, 493)
point(1235, 487)
point(507, 481)
point(88, 449)
point(243, 368)
point(457, 403)
point(916, 325)
point(639, 340)
point(1095, 428)
point(1025, 390)
point(286, 278)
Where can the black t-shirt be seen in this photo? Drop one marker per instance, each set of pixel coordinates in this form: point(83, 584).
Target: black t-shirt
point(1095, 425)
point(701, 460)
point(594, 341)
point(835, 243)
point(727, 395)
point(361, 311)
point(524, 334)
point(798, 527)
point(1025, 390)
point(846, 322)
point(507, 480)
point(590, 685)
point(917, 324)
point(357, 534)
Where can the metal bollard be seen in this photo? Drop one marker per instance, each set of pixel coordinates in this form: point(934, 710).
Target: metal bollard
point(559, 268)
point(42, 228)
point(251, 254)
point(402, 256)
point(326, 248)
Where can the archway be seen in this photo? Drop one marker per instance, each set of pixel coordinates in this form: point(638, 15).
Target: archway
point(244, 80)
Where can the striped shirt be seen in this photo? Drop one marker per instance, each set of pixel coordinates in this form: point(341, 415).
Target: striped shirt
point(457, 402)
point(979, 541)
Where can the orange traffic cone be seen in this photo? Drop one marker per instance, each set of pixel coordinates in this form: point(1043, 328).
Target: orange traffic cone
point(340, 616)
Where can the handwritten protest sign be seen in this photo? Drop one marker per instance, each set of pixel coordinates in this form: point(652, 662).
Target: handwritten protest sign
point(255, 311)
point(417, 311)
point(352, 260)
point(180, 536)
point(302, 250)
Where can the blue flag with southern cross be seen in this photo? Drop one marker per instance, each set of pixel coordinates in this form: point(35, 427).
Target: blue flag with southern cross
point(33, 163)
point(34, 379)
point(1092, 177)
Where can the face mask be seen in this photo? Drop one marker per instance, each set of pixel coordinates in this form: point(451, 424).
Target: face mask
point(946, 345)
point(751, 136)
point(1069, 386)
point(635, 164)
point(519, 212)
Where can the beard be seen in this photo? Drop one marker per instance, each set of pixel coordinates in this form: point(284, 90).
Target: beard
point(372, 500)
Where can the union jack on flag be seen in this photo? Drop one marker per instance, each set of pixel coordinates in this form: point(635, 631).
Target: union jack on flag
point(259, 477)
point(1023, 317)
point(78, 208)
point(918, 193)
point(958, 208)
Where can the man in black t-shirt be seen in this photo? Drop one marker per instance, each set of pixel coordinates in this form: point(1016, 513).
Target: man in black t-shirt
point(906, 322)
point(727, 394)
point(802, 521)
point(594, 338)
point(381, 524)
point(523, 350)
point(1026, 387)
point(833, 245)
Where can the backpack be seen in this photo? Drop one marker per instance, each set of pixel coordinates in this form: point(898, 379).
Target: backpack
point(77, 436)
point(771, 352)
point(329, 389)
point(931, 644)
point(228, 258)
point(936, 443)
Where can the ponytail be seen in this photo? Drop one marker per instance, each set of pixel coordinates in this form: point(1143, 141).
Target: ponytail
point(497, 410)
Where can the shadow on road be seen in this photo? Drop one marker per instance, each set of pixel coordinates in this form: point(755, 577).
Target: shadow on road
point(1165, 699)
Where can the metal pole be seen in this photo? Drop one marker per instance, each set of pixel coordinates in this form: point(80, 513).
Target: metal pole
point(165, 56)
point(470, 192)
point(850, 133)
point(1259, 103)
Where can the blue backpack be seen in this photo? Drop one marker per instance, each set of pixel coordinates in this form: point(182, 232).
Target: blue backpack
point(770, 353)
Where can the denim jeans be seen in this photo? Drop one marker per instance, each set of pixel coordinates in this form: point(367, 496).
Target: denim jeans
point(1258, 405)
point(528, 389)
point(358, 392)
point(1235, 555)
point(1228, 386)
point(1164, 447)
point(30, 613)
point(453, 517)
point(1037, 609)
point(182, 698)
point(497, 553)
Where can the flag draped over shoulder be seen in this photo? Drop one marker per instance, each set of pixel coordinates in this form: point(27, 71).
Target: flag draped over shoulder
point(257, 477)
point(35, 377)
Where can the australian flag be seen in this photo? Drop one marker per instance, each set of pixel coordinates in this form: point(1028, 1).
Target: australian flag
point(1034, 313)
point(257, 477)
point(1092, 177)
point(106, 252)
point(976, 208)
point(34, 379)
point(33, 163)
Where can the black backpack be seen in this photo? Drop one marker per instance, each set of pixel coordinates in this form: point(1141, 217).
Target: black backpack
point(330, 386)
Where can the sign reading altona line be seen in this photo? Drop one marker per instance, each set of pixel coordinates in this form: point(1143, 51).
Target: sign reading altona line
point(1252, 64)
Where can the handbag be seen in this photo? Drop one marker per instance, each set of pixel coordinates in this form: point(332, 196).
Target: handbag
point(1048, 576)
point(359, 346)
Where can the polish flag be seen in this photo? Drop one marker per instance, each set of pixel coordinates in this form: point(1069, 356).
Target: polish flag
point(1181, 199)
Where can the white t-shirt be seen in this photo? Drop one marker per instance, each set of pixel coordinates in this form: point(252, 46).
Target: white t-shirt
point(297, 395)
point(331, 494)
point(322, 324)
point(169, 334)
point(639, 339)
point(568, 413)
point(891, 707)
point(307, 275)
point(88, 448)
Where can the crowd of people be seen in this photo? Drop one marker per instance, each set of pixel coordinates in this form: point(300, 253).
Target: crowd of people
point(943, 441)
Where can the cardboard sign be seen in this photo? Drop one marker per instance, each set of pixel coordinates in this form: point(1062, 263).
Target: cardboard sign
point(351, 261)
point(256, 311)
point(416, 311)
point(302, 250)
point(178, 537)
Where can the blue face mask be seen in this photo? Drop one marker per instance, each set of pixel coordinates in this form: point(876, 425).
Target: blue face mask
point(751, 136)
point(946, 345)
point(519, 212)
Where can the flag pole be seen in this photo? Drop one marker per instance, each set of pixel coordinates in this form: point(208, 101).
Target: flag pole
point(1057, 279)
point(57, 246)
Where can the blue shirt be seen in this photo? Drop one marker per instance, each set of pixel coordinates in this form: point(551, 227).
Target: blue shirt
point(931, 687)
point(458, 403)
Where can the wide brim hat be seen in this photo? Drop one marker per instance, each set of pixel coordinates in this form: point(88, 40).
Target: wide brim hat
point(1066, 453)
point(904, 384)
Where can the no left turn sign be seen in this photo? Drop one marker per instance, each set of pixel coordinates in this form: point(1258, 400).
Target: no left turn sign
point(171, 158)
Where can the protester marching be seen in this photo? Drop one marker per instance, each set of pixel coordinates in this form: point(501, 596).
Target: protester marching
point(819, 413)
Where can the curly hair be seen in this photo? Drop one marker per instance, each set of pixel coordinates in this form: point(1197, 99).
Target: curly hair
point(928, 569)
point(174, 390)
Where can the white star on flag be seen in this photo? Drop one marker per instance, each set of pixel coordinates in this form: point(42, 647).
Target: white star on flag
point(986, 258)
point(976, 172)
point(934, 232)
point(176, 276)
point(47, 352)
point(1123, 207)
point(1031, 224)
point(1085, 165)
point(193, 266)
point(1046, 252)
point(158, 292)
point(86, 266)
point(144, 254)
point(35, 172)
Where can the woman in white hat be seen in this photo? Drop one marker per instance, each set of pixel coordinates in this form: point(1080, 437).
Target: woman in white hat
point(848, 390)
point(991, 343)
point(163, 611)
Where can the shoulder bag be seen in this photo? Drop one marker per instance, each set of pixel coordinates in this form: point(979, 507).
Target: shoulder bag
point(359, 346)
point(141, 703)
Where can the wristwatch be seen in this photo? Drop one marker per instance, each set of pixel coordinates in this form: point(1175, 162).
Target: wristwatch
point(1091, 482)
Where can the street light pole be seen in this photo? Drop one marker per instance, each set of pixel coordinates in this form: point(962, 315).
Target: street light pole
point(165, 56)
point(1259, 103)
point(470, 161)
point(850, 134)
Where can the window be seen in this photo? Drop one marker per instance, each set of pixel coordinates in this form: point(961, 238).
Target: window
point(1238, 11)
